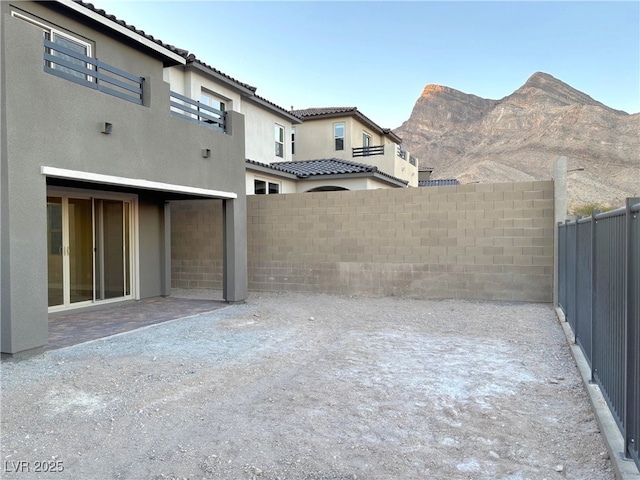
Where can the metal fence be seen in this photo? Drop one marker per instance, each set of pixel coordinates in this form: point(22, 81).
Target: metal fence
point(599, 293)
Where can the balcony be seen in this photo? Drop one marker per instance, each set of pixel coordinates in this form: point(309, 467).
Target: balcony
point(196, 112)
point(92, 73)
point(368, 151)
point(403, 154)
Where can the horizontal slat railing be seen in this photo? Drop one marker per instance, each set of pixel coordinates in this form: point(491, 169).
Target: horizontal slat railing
point(599, 292)
point(368, 151)
point(196, 112)
point(92, 73)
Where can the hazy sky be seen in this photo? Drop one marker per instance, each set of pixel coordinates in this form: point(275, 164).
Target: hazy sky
point(378, 56)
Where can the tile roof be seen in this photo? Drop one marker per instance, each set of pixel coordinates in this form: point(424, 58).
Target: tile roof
point(328, 112)
point(192, 58)
point(322, 111)
point(189, 57)
point(437, 183)
point(113, 18)
point(326, 166)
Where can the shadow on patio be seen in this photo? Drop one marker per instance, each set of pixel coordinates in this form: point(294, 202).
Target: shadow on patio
point(72, 328)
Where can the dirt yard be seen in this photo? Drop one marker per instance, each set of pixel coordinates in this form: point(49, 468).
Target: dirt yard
point(310, 387)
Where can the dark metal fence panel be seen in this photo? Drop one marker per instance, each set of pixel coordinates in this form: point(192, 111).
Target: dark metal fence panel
point(570, 310)
point(632, 437)
point(609, 351)
point(599, 292)
point(562, 266)
point(584, 273)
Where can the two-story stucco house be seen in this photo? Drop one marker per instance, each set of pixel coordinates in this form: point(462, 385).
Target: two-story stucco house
point(346, 134)
point(336, 149)
point(268, 126)
point(93, 152)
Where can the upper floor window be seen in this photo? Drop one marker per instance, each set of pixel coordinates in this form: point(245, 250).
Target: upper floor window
point(293, 141)
point(69, 64)
point(212, 101)
point(366, 139)
point(338, 135)
point(279, 141)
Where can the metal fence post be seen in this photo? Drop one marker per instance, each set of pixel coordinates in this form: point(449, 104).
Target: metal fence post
point(575, 285)
point(593, 287)
point(630, 334)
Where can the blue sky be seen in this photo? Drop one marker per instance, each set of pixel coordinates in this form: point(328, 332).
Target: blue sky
point(378, 56)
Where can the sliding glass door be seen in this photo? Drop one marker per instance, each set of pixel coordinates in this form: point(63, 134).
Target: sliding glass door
point(89, 247)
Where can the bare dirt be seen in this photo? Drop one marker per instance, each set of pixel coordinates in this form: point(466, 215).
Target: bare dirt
point(295, 386)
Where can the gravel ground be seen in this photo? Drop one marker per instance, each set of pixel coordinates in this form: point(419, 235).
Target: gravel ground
point(297, 386)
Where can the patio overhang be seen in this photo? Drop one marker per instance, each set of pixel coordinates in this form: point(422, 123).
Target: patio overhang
point(134, 183)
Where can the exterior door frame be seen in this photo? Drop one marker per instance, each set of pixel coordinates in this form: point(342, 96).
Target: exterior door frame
point(81, 193)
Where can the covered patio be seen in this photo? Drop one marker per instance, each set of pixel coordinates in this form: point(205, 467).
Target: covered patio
point(80, 326)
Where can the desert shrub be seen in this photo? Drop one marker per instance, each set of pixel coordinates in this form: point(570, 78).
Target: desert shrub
point(585, 210)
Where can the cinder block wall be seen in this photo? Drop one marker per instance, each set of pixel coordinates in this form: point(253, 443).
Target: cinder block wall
point(479, 241)
point(196, 244)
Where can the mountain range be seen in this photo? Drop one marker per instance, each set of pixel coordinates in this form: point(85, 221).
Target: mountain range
point(518, 137)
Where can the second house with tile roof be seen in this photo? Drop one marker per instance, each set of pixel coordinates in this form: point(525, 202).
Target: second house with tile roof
point(335, 148)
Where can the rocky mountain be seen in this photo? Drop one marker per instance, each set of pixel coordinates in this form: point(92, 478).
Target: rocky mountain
point(518, 137)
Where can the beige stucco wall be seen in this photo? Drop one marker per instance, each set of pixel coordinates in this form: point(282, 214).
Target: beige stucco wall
point(314, 140)
point(480, 241)
point(260, 128)
point(362, 183)
point(190, 83)
point(286, 185)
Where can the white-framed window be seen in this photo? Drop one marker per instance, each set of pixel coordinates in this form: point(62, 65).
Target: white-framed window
point(265, 187)
point(65, 40)
point(338, 136)
point(211, 100)
point(279, 137)
point(366, 139)
point(293, 140)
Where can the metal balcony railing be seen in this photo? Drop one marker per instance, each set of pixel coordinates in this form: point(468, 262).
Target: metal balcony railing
point(368, 151)
point(196, 112)
point(91, 72)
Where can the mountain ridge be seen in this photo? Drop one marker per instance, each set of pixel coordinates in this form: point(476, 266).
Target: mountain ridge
point(516, 138)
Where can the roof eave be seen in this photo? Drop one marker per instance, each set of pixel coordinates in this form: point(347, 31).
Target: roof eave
point(219, 77)
point(337, 176)
point(266, 169)
point(283, 113)
point(174, 57)
point(361, 117)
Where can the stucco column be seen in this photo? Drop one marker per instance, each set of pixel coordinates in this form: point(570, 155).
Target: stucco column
point(559, 214)
point(234, 281)
point(166, 267)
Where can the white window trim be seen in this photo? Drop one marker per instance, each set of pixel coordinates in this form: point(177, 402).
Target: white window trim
point(267, 181)
point(215, 96)
point(52, 30)
point(281, 143)
point(344, 134)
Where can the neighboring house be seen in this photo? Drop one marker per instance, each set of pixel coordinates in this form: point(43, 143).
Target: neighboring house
point(206, 94)
point(92, 155)
point(424, 179)
point(438, 183)
point(344, 133)
point(321, 175)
